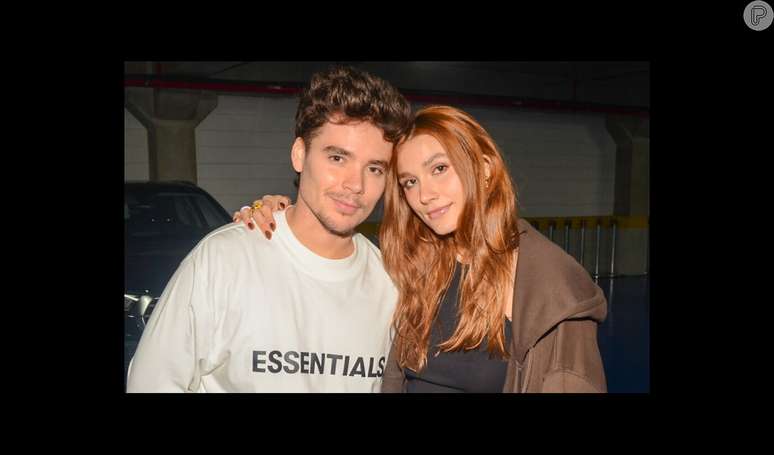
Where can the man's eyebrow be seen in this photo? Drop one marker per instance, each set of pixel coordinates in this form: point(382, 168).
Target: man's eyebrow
point(347, 153)
point(381, 163)
point(339, 150)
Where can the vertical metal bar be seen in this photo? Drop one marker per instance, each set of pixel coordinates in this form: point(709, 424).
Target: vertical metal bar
point(596, 254)
point(551, 230)
point(582, 242)
point(610, 299)
point(612, 251)
point(567, 235)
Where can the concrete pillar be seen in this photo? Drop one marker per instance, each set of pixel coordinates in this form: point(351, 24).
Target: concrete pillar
point(171, 117)
point(632, 192)
point(639, 195)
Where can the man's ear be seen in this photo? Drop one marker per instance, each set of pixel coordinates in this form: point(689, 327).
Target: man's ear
point(298, 154)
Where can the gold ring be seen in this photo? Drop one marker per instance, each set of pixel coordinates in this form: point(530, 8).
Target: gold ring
point(257, 205)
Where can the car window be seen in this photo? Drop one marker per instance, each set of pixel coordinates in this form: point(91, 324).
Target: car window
point(212, 215)
point(171, 213)
point(186, 212)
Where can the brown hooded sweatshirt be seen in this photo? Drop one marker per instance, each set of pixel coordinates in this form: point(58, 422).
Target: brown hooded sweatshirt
point(557, 308)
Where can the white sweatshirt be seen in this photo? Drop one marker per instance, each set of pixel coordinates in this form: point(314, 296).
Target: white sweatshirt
point(247, 314)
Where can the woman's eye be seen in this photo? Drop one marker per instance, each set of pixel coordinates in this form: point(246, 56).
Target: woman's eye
point(409, 183)
point(336, 158)
point(377, 171)
point(440, 168)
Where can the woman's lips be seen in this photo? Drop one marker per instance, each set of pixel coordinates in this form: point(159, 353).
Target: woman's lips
point(439, 212)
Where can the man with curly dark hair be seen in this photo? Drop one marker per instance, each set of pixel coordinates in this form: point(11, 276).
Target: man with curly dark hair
point(309, 311)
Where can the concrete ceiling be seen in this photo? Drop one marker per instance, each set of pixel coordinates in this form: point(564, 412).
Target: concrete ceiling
point(618, 83)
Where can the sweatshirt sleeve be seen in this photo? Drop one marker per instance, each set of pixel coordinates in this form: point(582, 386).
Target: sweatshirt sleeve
point(172, 344)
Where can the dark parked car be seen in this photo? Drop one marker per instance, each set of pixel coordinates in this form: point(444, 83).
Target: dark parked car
point(163, 221)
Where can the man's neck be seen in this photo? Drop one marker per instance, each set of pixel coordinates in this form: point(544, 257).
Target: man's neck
point(313, 235)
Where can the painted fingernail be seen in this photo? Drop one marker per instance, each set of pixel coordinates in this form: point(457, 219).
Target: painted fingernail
point(250, 225)
point(268, 234)
point(272, 226)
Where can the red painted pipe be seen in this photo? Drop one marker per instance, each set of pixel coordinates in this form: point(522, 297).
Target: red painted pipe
point(214, 86)
point(501, 101)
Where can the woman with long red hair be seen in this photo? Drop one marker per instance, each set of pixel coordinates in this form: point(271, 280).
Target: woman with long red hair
point(486, 302)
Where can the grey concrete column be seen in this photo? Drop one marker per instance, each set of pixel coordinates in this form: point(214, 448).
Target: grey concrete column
point(171, 117)
point(632, 191)
point(632, 164)
point(640, 177)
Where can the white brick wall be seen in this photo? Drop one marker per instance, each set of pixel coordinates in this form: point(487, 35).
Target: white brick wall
point(562, 164)
point(243, 149)
point(136, 160)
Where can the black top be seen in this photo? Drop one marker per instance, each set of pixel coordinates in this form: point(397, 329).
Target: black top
point(459, 371)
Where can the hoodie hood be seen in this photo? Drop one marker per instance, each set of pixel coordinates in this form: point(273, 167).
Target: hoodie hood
point(551, 287)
